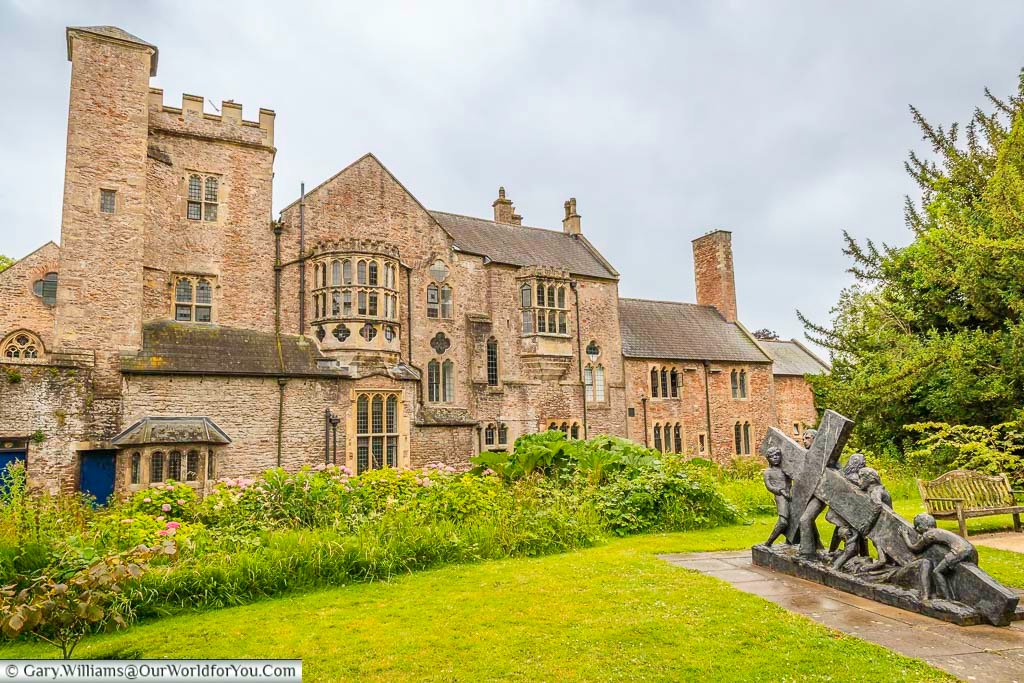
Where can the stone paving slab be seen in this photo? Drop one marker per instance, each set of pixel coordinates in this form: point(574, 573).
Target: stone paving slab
point(982, 654)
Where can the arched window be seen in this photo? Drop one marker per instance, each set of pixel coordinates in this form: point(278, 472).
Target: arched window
point(373, 273)
point(561, 297)
point(377, 415)
point(746, 438)
point(503, 434)
point(668, 438)
point(372, 307)
point(447, 381)
point(674, 379)
point(738, 438)
point(588, 382)
point(336, 303)
point(192, 466)
point(734, 380)
point(193, 300)
point(679, 437)
point(433, 381)
point(335, 273)
point(156, 467)
point(664, 383)
point(563, 323)
point(492, 362)
point(489, 434)
point(174, 466)
point(183, 300)
point(361, 302)
point(46, 289)
point(433, 301)
point(346, 272)
point(21, 345)
point(574, 431)
point(204, 301)
point(136, 467)
point(599, 383)
point(564, 428)
point(446, 302)
point(551, 296)
point(526, 296)
point(346, 302)
point(743, 383)
point(361, 272)
point(657, 437)
point(553, 427)
point(392, 414)
point(540, 294)
point(654, 383)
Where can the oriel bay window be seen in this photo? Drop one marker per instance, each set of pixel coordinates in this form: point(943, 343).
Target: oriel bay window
point(376, 431)
point(544, 307)
point(355, 286)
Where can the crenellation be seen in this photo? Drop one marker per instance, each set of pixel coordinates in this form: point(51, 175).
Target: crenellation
point(191, 118)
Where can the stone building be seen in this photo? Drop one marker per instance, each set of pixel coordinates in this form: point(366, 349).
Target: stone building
point(179, 331)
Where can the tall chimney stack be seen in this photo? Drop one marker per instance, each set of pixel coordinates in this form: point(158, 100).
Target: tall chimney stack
point(713, 272)
point(504, 212)
point(571, 222)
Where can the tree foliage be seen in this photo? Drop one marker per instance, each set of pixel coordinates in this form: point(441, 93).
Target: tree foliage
point(934, 331)
point(764, 334)
point(5, 262)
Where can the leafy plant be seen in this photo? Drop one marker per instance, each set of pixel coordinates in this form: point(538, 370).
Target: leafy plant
point(61, 612)
point(998, 449)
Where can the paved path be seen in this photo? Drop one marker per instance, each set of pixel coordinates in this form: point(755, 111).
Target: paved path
point(1008, 540)
point(985, 654)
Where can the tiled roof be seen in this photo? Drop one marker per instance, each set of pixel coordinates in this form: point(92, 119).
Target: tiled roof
point(117, 34)
point(150, 430)
point(793, 358)
point(520, 245)
point(169, 347)
point(668, 329)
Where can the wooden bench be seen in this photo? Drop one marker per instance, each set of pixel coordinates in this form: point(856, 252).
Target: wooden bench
point(962, 494)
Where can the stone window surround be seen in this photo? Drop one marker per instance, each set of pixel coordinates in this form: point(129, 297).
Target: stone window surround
point(444, 306)
point(669, 437)
point(743, 437)
point(325, 290)
point(527, 290)
point(13, 343)
point(739, 383)
point(493, 433)
point(442, 374)
point(203, 202)
point(659, 390)
point(205, 451)
point(595, 384)
point(194, 279)
point(572, 427)
point(101, 205)
point(358, 432)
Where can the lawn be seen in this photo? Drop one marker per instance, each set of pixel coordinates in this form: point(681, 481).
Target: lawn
point(614, 612)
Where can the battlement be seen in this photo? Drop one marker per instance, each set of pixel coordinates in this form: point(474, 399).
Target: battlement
point(191, 119)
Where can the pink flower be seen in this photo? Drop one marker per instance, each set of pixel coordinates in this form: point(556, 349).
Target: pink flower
point(160, 518)
point(162, 532)
point(180, 501)
point(173, 525)
point(147, 500)
point(166, 507)
point(170, 532)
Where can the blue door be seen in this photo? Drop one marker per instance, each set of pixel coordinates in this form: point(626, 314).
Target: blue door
point(8, 457)
point(97, 474)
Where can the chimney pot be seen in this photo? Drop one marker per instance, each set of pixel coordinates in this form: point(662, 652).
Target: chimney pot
point(571, 222)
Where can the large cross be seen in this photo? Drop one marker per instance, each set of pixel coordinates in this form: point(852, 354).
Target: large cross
point(806, 467)
point(814, 477)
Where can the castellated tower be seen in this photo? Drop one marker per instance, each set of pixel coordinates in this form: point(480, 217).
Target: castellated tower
point(99, 300)
point(713, 272)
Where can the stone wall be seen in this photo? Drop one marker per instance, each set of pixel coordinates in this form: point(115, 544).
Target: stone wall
point(794, 403)
point(22, 309)
point(56, 410)
point(690, 408)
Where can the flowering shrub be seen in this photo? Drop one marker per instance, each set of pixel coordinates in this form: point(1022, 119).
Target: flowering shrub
point(170, 500)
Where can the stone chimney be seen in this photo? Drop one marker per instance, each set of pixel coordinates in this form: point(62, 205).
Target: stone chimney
point(504, 212)
point(713, 272)
point(571, 222)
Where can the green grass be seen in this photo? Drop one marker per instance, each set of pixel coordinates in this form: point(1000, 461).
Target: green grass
point(614, 612)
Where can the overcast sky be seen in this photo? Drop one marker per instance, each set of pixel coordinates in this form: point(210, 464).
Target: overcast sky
point(784, 122)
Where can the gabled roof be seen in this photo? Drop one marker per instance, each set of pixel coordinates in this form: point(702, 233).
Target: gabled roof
point(793, 358)
point(179, 430)
point(116, 34)
point(681, 331)
point(186, 348)
point(520, 245)
point(26, 257)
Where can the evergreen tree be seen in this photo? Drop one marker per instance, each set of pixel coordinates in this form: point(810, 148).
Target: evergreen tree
point(934, 331)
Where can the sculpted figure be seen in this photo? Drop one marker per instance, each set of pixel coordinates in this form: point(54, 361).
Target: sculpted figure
point(960, 550)
point(851, 471)
point(776, 481)
point(808, 437)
